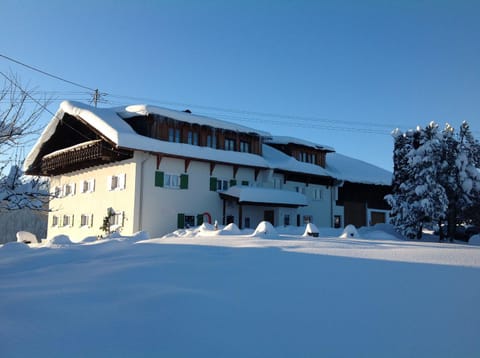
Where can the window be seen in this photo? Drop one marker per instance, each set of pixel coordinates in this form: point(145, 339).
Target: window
point(174, 135)
point(307, 219)
point(189, 221)
point(277, 183)
point(54, 220)
point(337, 221)
point(87, 186)
point(317, 194)
point(171, 181)
point(57, 192)
point(229, 144)
point(116, 220)
point(286, 220)
point(222, 184)
point(68, 189)
point(247, 222)
point(116, 182)
point(212, 141)
point(85, 220)
point(67, 220)
point(245, 147)
point(192, 138)
point(313, 158)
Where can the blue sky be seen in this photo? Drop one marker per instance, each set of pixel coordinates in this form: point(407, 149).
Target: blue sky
point(339, 73)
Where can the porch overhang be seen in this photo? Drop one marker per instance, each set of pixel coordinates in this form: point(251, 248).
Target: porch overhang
point(246, 195)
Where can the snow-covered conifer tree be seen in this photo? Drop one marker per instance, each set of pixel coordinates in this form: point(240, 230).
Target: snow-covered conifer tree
point(429, 199)
point(467, 173)
point(403, 216)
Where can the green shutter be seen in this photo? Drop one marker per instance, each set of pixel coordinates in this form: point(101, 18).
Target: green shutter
point(213, 184)
point(180, 221)
point(183, 181)
point(233, 182)
point(159, 179)
point(245, 182)
point(199, 219)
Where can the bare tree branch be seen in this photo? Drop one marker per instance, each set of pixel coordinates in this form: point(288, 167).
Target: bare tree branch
point(18, 121)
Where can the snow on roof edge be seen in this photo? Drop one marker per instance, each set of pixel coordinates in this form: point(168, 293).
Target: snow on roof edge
point(145, 109)
point(287, 139)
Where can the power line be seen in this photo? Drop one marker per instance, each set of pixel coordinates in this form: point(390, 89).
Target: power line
point(46, 73)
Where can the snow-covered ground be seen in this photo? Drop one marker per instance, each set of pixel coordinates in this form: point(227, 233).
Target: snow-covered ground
point(265, 293)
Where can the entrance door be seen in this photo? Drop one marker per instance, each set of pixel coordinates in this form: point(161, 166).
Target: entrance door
point(355, 213)
point(268, 215)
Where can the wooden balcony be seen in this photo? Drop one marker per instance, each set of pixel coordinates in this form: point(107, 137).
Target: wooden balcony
point(81, 156)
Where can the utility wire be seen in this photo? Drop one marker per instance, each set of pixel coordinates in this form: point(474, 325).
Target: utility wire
point(254, 113)
point(46, 73)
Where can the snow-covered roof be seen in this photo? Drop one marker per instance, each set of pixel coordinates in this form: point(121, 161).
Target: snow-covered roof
point(108, 122)
point(298, 141)
point(338, 166)
point(143, 110)
point(279, 160)
point(246, 194)
point(356, 171)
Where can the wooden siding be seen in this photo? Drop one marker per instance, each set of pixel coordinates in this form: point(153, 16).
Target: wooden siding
point(155, 126)
point(298, 151)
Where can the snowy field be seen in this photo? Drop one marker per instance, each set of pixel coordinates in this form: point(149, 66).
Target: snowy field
point(227, 293)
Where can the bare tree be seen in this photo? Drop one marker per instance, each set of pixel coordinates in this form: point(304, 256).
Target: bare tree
point(19, 116)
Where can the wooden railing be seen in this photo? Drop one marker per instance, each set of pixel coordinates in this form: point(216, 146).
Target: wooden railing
point(80, 156)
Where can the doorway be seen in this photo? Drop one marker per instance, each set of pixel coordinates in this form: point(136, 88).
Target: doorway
point(268, 215)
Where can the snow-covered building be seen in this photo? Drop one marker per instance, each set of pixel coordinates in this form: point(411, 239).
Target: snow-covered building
point(156, 169)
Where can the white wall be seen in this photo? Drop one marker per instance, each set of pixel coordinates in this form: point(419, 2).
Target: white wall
point(95, 203)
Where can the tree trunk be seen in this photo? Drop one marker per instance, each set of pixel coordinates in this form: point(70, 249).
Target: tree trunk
point(452, 221)
point(419, 232)
point(441, 234)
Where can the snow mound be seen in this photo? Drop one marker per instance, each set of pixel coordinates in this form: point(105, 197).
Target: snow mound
point(59, 240)
point(206, 227)
point(14, 247)
point(474, 240)
point(265, 229)
point(349, 232)
point(89, 239)
point(26, 237)
point(379, 232)
point(181, 233)
point(230, 229)
point(311, 230)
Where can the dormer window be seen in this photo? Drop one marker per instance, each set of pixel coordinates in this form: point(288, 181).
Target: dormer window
point(244, 146)
point(174, 135)
point(192, 138)
point(229, 144)
point(212, 141)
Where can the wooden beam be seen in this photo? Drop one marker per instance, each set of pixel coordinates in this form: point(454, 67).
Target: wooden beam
point(212, 167)
point(187, 164)
point(257, 171)
point(235, 170)
point(159, 159)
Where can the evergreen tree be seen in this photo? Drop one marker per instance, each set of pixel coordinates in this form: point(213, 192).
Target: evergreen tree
point(468, 193)
point(428, 197)
point(403, 215)
point(435, 178)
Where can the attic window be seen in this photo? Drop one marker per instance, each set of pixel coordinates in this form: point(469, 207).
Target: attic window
point(188, 111)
